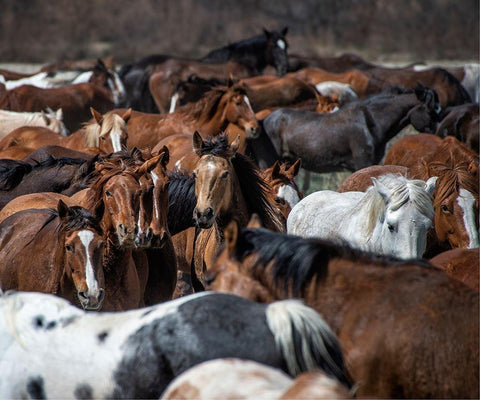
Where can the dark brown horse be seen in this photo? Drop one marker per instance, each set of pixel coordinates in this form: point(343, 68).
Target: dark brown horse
point(463, 122)
point(67, 246)
point(408, 330)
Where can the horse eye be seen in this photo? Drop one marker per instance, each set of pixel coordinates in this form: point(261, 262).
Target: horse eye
point(69, 248)
point(225, 175)
point(391, 228)
point(102, 138)
point(445, 208)
point(238, 103)
point(108, 194)
point(194, 174)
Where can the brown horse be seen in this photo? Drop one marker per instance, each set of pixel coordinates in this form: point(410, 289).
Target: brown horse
point(283, 189)
point(75, 100)
point(407, 329)
point(360, 180)
point(461, 264)
point(455, 198)
point(67, 247)
point(209, 116)
point(463, 122)
point(106, 133)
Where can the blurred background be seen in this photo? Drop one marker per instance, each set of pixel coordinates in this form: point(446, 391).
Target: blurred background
point(388, 31)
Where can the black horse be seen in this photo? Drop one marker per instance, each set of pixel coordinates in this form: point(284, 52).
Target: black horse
point(257, 52)
point(351, 138)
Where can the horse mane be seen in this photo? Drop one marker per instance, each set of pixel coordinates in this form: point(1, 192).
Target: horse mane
point(296, 261)
point(254, 188)
point(181, 201)
point(93, 131)
point(402, 190)
point(12, 173)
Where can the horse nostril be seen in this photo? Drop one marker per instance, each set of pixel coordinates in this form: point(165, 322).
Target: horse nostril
point(209, 212)
point(149, 233)
point(121, 227)
point(83, 295)
point(101, 296)
point(136, 229)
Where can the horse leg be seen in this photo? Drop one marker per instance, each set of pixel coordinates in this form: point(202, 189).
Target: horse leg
point(183, 244)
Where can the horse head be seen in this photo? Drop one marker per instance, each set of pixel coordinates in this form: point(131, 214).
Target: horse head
point(425, 116)
point(152, 219)
point(407, 217)
point(238, 109)
point(108, 132)
point(276, 50)
point(54, 121)
point(83, 254)
point(110, 80)
point(214, 181)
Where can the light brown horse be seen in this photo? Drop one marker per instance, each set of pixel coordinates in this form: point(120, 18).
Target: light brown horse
point(455, 198)
point(66, 245)
point(106, 133)
point(407, 330)
point(461, 264)
point(209, 116)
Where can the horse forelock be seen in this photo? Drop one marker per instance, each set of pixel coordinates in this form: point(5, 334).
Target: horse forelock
point(375, 204)
point(92, 134)
point(79, 218)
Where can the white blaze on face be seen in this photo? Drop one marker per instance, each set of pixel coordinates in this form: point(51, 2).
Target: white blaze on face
point(467, 203)
point(86, 237)
point(245, 98)
point(173, 103)
point(155, 205)
point(115, 138)
point(281, 44)
point(289, 194)
point(120, 87)
point(111, 85)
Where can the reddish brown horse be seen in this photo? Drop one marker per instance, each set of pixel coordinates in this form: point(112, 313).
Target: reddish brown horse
point(407, 329)
point(461, 264)
point(457, 188)
point(104, 134)
point(209, 116)
point(67, 247)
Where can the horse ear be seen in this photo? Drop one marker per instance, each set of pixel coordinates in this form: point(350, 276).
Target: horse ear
point(293, 171)
point(62, 209)
point(275, 169)
point(430, 185)
point(45, 117)
point(231, 236)
point(165, 153)
point(284, 31)
point(150, 165)
point(230, 81)
point(472, 168)
point(381, 188)
point(127, 114)
point(197, 143)
point(235, 145)
point(267, 33)
point(98, 117)
point(59, 114)
point(254, 222)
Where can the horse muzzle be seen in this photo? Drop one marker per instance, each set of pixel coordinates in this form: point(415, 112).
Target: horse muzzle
point(91, 302)
point(204, 219)
point(126, 235)
point(252, 132)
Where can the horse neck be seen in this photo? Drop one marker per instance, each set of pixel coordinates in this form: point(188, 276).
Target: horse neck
point(75, 141)
point(217, 123)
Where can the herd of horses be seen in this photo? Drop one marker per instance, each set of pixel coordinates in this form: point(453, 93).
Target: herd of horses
point(130, 197)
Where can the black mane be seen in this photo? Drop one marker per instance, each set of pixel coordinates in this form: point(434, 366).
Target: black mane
point(296, 261)
point(181, 201)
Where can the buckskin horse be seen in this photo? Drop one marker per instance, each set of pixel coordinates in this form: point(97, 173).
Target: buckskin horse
point(408, 330)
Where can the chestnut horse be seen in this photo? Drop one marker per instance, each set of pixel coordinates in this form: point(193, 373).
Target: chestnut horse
point(455, 198)
point(67, 247)
point(106, 133)
point(461, 264)
point(209, 116)
point(408, 330)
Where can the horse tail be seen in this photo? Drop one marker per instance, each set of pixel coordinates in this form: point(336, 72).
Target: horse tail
point(306, 341)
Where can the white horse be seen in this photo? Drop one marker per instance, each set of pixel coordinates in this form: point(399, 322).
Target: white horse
point(51, 349)
point(391, 218)
point(53, 120)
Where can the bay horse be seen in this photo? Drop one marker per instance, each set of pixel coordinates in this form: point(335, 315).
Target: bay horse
point(233, 378)
point(10, 120)
point(392, 217)
point(75, 100)
point(269, 48)
point(330, 142)
point(106, 133)
point(407, 329)
point(34, 327)
point(210, 115)
point(455, 198)
point(67, 246)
